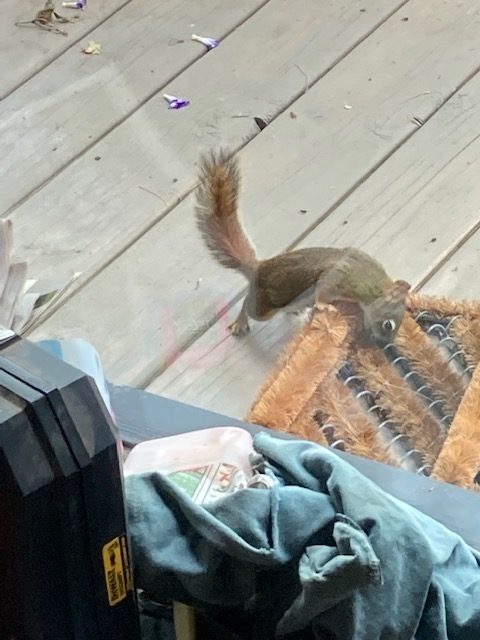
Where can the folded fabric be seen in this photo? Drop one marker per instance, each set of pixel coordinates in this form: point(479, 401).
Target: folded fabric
point(324, 554)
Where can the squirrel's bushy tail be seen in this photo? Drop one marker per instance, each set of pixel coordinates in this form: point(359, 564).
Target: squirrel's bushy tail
point(217, 213)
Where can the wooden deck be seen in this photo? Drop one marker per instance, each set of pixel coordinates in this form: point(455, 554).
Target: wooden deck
point(374, 131)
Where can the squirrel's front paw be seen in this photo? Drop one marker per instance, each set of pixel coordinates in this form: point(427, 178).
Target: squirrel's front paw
point(239, 328)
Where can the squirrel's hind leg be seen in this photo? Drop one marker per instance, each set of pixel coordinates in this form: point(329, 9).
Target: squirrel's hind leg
point(253, 307)
point(240, 326)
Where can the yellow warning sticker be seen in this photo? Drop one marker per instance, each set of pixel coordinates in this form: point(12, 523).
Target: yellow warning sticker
point(117, 570)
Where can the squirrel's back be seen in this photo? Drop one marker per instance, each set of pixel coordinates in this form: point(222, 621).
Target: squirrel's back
point(346, 273)
point(350, 273)
point(217, 213)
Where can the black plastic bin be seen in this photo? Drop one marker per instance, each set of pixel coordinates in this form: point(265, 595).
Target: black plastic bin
point(65, 572)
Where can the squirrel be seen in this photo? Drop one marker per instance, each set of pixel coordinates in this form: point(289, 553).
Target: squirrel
point(295, 279)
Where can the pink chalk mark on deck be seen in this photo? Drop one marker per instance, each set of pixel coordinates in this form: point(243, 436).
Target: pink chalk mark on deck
point(200, 356)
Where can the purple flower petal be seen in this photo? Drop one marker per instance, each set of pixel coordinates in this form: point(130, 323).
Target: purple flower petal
point(176, 103)
point(79, 4)
point(210, 43)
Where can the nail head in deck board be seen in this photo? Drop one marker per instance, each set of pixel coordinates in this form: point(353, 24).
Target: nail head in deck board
point(76, 100)
point(161, 307)
point(27, 49)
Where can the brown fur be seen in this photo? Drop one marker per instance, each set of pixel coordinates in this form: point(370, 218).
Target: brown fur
point(324, 275)
point(217, 216)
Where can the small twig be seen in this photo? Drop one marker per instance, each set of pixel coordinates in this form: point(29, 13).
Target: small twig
point(42, 25)
point(153, 193)
point(307, 82)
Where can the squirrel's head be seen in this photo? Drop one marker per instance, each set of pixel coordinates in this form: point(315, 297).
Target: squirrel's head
point(383, 317)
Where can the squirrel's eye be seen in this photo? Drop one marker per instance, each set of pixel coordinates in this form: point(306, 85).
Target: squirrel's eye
point(389, 325)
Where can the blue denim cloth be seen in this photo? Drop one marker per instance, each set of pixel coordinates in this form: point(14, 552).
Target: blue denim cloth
point(325, 554)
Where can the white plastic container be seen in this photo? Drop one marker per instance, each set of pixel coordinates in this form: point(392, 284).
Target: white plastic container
point(206, 464)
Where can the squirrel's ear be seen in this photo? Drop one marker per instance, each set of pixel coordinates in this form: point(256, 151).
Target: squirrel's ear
point(399, 290)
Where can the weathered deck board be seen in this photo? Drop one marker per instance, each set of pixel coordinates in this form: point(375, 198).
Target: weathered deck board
point(78, 98)
point(222, 372)
point(291, 166)
point(408, 214)
point(253, 73)
point(458, 277)
point(27, 50)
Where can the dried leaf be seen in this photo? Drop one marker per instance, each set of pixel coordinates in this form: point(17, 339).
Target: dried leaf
point(45, 19)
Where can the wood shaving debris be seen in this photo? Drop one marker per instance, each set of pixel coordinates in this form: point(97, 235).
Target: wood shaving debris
point(92, 48)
